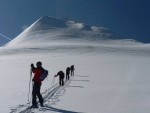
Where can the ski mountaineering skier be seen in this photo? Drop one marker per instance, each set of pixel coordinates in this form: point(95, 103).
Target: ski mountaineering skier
point(67, 73)
point(61, 77)
point(72, 70)
point(37, 84)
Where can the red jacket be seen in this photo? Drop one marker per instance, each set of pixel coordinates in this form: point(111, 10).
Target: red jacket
point(37, 72)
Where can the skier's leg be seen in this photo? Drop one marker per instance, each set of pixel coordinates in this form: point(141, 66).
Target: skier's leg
point(40, 96)
point(73, 72)
point(66, 76)
point(60, 81)
point(34, 103)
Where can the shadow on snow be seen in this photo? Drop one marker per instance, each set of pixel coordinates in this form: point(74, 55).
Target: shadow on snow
point(48, 108)
point(76, 86)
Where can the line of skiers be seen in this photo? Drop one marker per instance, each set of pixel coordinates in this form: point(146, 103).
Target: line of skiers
point(37, 81)
point(69, 70)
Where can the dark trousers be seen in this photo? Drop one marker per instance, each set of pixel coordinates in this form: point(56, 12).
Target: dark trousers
point(72, 72)
point(61, 81)
point(67, 76)
point(36, 93)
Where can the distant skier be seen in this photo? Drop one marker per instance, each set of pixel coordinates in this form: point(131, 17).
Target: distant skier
point(61, 77)
point(72, 70)
point(67, 73)
point(37, 84)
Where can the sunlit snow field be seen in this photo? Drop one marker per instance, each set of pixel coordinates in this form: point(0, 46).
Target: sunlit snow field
point(111, 76)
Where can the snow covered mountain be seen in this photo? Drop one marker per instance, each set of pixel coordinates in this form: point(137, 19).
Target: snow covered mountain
point(48, 29)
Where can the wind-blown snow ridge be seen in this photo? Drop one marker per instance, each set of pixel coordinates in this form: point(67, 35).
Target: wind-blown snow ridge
point(48, 29)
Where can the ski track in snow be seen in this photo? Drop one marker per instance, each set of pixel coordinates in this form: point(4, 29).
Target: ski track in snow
point(50, 96)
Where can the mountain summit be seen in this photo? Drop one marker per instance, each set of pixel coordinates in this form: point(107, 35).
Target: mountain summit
point(48, 29)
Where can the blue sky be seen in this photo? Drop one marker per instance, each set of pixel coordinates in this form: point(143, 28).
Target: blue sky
point(126, 18)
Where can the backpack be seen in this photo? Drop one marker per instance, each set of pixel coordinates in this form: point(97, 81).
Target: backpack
point(43, 75)
point(61, 74)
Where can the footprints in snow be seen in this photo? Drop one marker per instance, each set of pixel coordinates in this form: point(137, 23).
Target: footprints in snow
point(51, 97)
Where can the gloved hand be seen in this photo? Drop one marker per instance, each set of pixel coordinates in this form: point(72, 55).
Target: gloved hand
point(33, 80)
point(32, 66)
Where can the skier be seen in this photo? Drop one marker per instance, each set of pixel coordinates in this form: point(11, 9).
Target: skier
point(61, 77)
point(67, 73)
point(37, 84)
point(72, 70)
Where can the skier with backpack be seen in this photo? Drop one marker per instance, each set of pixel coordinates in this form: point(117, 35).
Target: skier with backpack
point(61, 77)
point(39, 75)
point(67, 73)
point(72, 70)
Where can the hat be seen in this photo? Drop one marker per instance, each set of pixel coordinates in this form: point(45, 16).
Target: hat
point(39, 63)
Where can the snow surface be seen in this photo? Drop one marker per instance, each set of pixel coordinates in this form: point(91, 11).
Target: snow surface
point(111, 76)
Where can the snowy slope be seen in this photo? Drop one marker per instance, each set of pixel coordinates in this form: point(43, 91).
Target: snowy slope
point(111, 76)
point(54, 34)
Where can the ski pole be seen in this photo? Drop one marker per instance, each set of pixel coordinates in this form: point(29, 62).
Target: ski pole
point(76, 73)
point(29, 84)
point(53, 81)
